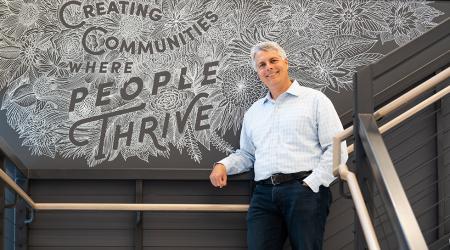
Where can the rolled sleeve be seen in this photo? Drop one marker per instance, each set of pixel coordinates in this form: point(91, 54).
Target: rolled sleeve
point(243, 159)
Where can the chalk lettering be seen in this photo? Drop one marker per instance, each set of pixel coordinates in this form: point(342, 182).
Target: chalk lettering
point(150, 131)
point(207, 71)
point(63, 20)
point(76, 97)
point(104, 118)
point(161, 79)
point(139, 86)
point(103, 93)
point(201, 117)
point(127, 134)
point(74, 67)
point(181, 84)
point(83, 40)
point(138, 47)
point(181, 120)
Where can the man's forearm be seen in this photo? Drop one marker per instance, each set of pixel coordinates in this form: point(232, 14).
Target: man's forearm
point(238, 162)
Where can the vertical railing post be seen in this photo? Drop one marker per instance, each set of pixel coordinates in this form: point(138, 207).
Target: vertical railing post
point(2, 205)
point(139, 228)
point(443, 163)
point(21, 210)
point(362, 103)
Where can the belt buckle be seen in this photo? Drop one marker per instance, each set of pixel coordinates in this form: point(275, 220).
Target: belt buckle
point(274, 180)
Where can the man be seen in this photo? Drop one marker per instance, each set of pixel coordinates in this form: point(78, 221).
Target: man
point(287, 137)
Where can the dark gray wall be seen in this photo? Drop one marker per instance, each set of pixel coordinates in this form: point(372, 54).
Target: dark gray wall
point(2, 215)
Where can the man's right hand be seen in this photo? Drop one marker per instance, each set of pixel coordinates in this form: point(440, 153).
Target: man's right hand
point(218, 176)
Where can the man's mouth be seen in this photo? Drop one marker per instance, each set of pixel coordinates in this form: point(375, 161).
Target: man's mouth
point(271, 74)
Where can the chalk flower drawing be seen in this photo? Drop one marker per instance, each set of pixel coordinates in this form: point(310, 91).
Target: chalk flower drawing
point(51, 64)
point(408, 20)
point(22, 57)
point(353, 17)
point(304, 19)
point(131, 27)
point(335, 61)
point(39, 134)
point(239, 88)
point(100, 80)
point(24, 15)
point(67, 43)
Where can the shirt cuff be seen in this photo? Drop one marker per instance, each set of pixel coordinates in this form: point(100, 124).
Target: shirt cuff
point(226, 163)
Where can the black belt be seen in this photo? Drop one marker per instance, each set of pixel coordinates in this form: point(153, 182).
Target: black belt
point(281, 178)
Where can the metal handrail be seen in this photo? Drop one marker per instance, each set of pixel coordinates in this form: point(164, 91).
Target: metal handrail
point(389, 108)
point(360, 206)
point(121, 206)
point(394, 105)
point(143, 207)
point(342, 170)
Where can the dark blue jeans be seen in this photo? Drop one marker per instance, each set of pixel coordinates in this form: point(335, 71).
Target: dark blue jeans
point(287, 210)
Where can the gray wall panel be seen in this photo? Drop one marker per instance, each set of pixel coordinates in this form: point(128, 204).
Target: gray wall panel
point(194, 220)
point(194, 238)
point(343, 240)
point(193, 248)
point(80, 238)
point(78, 248)
point(83, 220)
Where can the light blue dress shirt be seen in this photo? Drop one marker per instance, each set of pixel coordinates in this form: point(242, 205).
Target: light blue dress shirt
point(290, 134)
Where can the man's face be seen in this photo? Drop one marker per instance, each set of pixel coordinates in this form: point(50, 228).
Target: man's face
point(271, 68)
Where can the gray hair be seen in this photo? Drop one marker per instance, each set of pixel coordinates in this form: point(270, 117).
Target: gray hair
point(266, 46)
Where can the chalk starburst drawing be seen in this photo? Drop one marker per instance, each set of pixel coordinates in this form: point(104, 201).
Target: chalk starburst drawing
point(408, 20)
point(189, 96)
point(24, 15)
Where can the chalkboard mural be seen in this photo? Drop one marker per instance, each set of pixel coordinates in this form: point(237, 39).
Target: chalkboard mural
point(96, 80)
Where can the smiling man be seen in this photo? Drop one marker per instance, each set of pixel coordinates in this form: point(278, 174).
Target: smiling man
point(287, 138)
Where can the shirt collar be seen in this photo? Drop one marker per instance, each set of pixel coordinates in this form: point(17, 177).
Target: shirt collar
point(294, 90)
